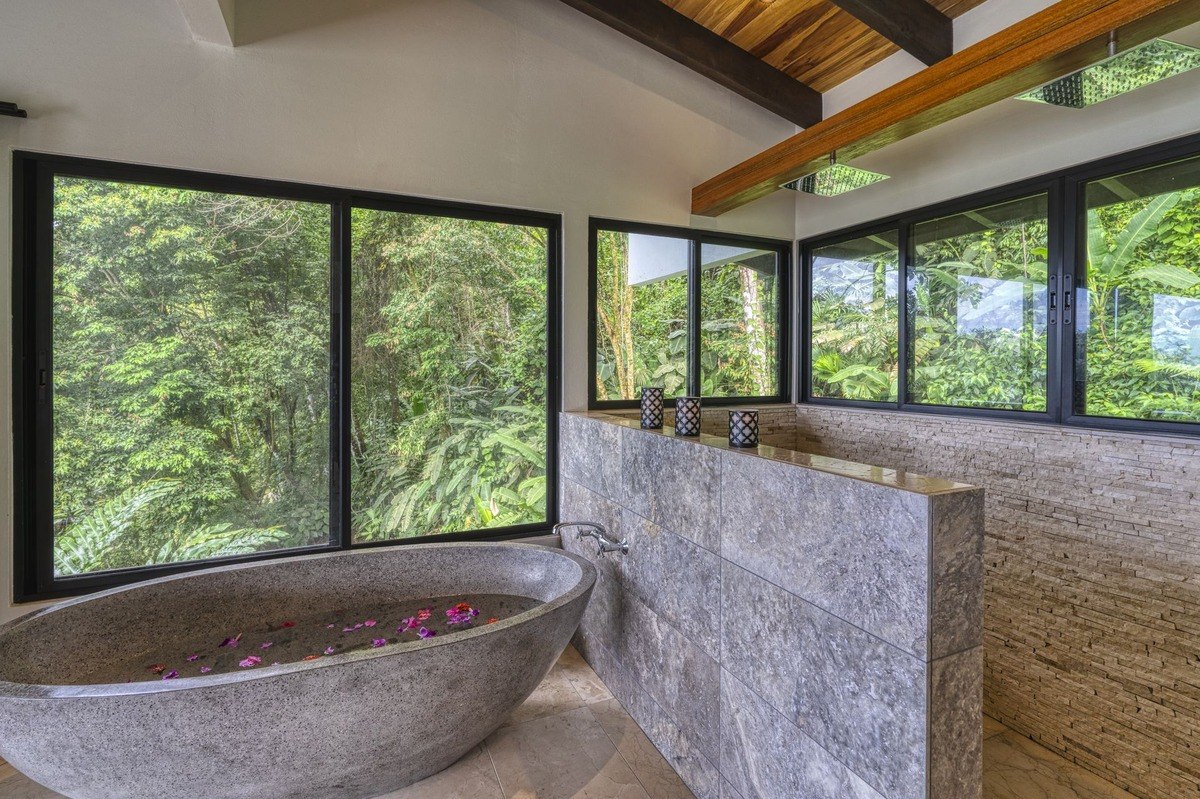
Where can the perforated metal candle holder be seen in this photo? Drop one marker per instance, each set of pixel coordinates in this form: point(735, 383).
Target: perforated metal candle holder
point(652, 408)
point(687, 416)
point(743, 428)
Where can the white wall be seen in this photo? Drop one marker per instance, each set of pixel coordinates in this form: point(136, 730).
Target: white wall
point(525, 103)
point(1006, 142)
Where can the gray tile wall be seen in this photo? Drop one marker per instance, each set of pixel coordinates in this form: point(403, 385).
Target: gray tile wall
point(780, 631)
point(1092, 550)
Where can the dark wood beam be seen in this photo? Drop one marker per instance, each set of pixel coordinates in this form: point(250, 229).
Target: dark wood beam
point(664, 29)
point(1069, 35)
point(916, 26)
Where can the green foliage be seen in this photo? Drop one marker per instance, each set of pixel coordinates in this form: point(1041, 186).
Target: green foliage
point(1137, 316)
point(191, 374)
point(449, 381)
point(642, 335)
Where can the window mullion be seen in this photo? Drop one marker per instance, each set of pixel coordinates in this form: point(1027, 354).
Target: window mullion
point(339, 374)
point(693, 320)
point(903, 361)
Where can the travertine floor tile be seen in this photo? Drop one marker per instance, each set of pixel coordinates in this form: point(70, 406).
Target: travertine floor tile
point(992, 727)
point(1015, 767)
point(586, 682)
point(652, 770)
point(473, 777)
point(18, 786)
point(556, 694)
point(567, 756)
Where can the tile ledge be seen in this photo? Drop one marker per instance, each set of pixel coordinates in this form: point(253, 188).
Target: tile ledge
point(876, 475)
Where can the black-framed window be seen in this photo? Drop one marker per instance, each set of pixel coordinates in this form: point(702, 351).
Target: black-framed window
point(210, 368)
point(698, 313)
point(1072, 298)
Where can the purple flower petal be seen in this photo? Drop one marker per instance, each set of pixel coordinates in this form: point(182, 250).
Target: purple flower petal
point(232, 642)
point(192, 658)
point(251, 661)
point(170, 675)
point(425, 632)
point(378, 642)
point(370, 623)
point(266, 645)
point(205, 669)
point(329, 650)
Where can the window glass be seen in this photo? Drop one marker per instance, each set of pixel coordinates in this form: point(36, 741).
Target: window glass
point(641, 314)
point(450, 339)
point(855, 329)
point(739, 321)
point(1137, 343)
point(978, 308)
point(190, 336)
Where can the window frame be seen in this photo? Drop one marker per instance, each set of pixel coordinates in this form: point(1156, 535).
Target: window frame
point(696, 240)
point(32, 302)
point(1067, 218)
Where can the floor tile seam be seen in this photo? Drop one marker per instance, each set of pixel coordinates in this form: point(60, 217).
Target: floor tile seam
point(495, 770)
point(617, 746)
point(814, 741)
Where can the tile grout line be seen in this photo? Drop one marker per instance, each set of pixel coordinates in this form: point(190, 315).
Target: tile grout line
point(800, 731)
point(495, 771)
point(617, 747)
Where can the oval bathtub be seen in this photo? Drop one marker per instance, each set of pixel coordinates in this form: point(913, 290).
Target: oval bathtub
point(358, 719)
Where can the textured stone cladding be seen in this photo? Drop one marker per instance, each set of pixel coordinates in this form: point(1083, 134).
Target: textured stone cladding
point(783, 626)
point(1092, 550)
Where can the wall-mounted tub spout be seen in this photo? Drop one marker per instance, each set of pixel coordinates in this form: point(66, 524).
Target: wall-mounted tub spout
point(597, 531)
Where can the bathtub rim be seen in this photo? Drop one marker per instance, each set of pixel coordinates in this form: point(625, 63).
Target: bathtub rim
point(35, 691)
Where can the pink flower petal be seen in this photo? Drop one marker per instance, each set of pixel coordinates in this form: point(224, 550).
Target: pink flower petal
point(251, 661)
point(205, 669)
point(170, 675)
point(370, 623)
point(266, 645)
point(192, 658)
point(232, 642)
point(378, 642)
point(425, 632)
point(329, 650)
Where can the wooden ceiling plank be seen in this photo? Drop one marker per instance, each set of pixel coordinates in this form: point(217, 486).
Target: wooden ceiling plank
point(1066, 36)
point(914, 25)
point(680, 38)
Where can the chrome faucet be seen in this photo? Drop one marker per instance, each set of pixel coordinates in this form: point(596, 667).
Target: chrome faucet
point(604, 541)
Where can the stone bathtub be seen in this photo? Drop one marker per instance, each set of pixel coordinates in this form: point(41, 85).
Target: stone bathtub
point(197, 685)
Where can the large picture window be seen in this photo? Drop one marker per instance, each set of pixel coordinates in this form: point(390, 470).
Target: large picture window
point(1137, 330)
point(696, 313)
point(211, 368)
point(977, 300)
point(1072, 298)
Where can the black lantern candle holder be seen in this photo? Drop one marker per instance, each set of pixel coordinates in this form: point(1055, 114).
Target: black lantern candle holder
point(652, 408)
point(743, 428)
point(687, 416)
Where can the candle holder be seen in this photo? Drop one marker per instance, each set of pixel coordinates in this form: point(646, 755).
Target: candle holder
point(743, 428)
point(687, 416)
point(652, 407)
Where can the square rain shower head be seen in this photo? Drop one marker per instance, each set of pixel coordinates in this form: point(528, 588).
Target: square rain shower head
point(834, 179)
point(1151, 62)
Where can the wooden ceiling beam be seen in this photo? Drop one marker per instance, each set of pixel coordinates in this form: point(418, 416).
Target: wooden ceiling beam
point(914, 25)
point(660, 27)
point(1066, 36)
